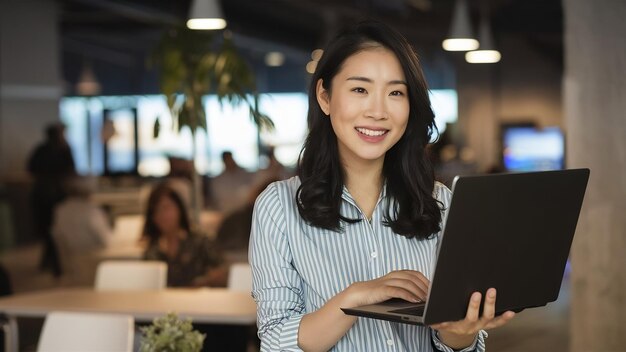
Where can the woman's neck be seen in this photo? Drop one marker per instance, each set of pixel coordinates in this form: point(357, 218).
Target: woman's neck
point(364, 181)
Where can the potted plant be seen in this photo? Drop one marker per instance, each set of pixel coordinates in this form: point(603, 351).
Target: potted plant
point(170, 334)
point(196, 63)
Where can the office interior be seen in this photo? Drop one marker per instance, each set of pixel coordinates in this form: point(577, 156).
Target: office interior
point(553, 100)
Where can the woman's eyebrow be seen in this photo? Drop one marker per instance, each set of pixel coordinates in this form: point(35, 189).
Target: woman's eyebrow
point(369, 80)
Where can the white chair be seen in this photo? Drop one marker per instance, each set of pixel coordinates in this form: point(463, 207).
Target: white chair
point(127, 229)
point(240, 277)
point(129, 275)
point(80, 332)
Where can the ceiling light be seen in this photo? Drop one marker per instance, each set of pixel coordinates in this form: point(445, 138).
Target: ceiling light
point(486, 53)
point(274, 59)
point(206, 15)
point(460, 37)
point(483, 56)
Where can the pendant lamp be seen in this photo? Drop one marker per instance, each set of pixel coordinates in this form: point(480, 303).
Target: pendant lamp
point(206, 15)
point(460, 37)
point(486, 53)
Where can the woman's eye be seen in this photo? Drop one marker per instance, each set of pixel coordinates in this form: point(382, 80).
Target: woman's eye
point(359, 90)
point(396, 93)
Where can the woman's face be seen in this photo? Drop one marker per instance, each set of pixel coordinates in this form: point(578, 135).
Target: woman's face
point(166, 215)
point(368, 105)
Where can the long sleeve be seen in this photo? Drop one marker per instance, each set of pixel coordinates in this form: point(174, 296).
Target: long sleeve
point(277, 286)
point(477, 346)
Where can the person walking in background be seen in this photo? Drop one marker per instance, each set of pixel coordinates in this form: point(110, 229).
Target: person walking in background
point(230, 188)
point(361, 222)
point(233, 234)
point(274, 170)
point(50, 164)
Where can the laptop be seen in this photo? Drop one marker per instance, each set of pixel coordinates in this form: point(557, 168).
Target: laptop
point(508, 231)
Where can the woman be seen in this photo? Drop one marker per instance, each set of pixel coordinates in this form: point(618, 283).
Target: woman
point(191, 258)
point(361, 222)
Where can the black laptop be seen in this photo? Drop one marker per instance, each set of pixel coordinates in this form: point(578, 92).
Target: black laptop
point(508, 231)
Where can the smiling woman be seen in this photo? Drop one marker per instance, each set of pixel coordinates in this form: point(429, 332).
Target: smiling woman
point(370, 120)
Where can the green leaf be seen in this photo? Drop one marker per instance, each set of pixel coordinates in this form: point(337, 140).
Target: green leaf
point(191, 64)
point(169, 333)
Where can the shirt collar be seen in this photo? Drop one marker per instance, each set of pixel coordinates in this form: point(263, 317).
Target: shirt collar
point(345, 194)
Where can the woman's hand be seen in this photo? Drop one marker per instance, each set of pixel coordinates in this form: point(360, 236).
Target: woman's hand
point(460, 334)
point(314, 334)
point(409, 285)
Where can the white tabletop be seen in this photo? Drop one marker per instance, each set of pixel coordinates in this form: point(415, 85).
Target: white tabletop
point(202, 305)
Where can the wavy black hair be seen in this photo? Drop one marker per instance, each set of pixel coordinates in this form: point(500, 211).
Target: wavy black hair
point(407, 170)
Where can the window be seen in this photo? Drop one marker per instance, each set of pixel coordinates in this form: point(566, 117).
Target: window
point(229, 128)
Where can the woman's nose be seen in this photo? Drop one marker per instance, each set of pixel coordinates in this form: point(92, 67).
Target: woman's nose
point(377, 108)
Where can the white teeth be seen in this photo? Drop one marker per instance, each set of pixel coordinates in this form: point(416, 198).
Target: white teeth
point(371, 133)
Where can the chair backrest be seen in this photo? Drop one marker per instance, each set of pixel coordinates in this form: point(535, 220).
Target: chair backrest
point(128, 228)
point(79, 332)
point(240, 277)
point(128, 275)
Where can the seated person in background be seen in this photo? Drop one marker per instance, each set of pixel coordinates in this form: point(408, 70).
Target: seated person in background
point(79, 229)
point(231, 187)
point(234, 231)
point(192, 259)
point(274, 169)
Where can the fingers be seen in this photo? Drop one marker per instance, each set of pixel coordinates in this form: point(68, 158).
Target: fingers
point(409, 286)
point(489, 310)
point(472, 323)
point(399, 292)
point(418, 278)
point(413, 281)
point(499, 321)
point(473, 308)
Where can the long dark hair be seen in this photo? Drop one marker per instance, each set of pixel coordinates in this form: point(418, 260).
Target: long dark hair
point(407, 170)
point(160, 191)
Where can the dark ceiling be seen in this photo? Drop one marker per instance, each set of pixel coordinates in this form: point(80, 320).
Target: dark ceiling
point(117, 36)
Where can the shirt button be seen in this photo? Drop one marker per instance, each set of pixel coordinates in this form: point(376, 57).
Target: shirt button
point(374, 254)
point(390, 342)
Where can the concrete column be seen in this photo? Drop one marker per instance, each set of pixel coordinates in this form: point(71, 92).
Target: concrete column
point(30, 84)
point(595, 117)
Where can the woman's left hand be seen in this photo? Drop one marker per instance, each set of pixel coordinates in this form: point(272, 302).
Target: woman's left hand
point(461, 334)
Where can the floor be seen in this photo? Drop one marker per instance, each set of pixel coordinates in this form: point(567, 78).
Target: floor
point(536, 330)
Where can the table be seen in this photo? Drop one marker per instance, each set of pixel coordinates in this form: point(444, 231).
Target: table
point(202, 305)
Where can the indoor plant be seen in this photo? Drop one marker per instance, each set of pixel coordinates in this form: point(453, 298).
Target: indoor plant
point(170, 334)
point(196, 63)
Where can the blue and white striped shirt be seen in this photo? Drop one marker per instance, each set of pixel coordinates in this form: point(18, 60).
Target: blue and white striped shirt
point(297, 268)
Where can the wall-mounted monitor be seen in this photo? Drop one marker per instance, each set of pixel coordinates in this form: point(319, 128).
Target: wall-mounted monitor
point(528, 148)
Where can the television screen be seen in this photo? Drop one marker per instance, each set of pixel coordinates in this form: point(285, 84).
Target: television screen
point(528, 148)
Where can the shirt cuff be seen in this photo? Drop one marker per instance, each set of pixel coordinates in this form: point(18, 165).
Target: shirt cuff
point(289, 334)
point(477, 346)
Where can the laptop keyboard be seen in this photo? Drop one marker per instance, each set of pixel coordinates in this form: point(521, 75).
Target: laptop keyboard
point(417, 311)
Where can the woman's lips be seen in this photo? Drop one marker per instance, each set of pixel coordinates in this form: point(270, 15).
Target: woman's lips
point(371, 135)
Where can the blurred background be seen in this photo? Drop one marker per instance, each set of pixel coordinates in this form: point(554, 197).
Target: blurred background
point(99, 72)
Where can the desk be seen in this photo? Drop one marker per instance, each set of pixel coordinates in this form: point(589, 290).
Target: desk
point(202, 305)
